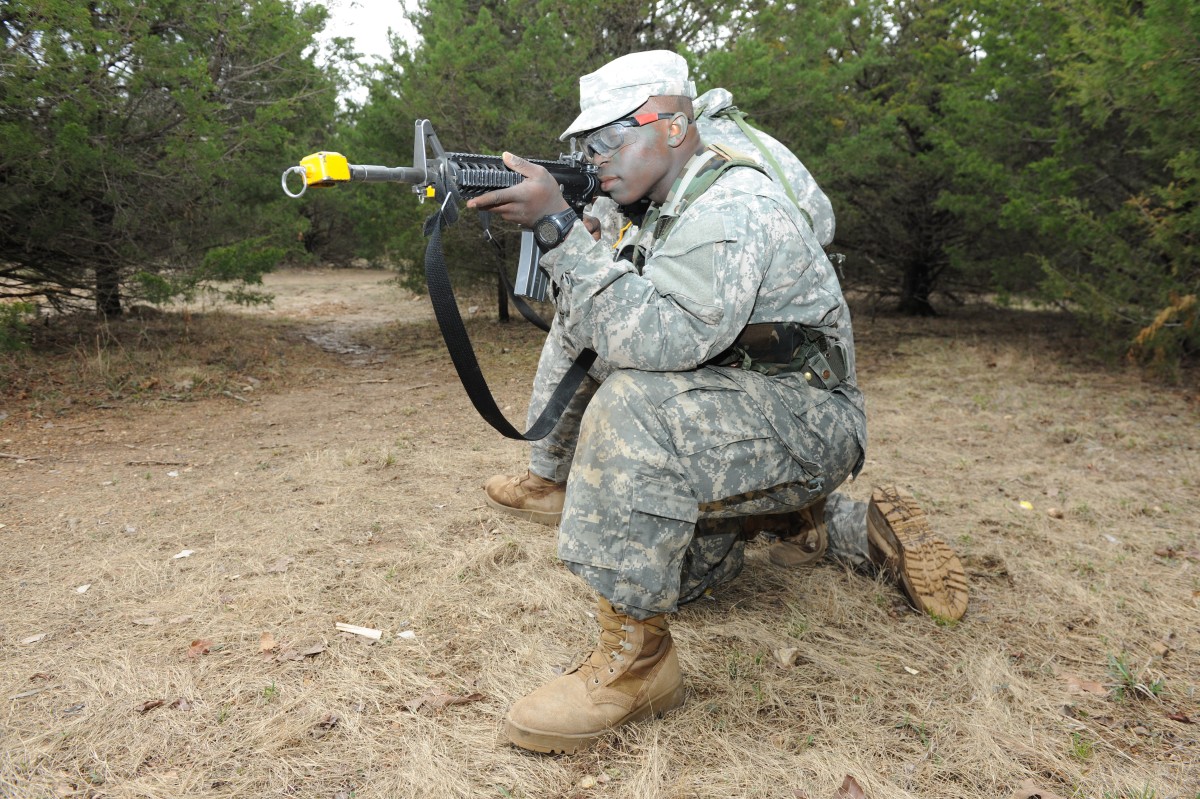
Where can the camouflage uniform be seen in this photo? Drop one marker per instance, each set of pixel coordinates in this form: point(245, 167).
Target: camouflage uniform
point(671, 452)
point(551, 456)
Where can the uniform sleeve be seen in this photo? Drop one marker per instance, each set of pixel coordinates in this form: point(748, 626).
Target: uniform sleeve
point(694, 296)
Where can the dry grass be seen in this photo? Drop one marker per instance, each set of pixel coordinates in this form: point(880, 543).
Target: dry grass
point(1082, 639)
point(149, 356)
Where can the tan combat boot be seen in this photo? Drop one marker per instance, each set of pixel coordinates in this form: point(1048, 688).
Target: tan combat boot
point(633, 673)
point(528, 496)
point(804, 540)
point(902, 544)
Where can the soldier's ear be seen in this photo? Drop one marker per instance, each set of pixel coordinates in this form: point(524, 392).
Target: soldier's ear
point(678, 130)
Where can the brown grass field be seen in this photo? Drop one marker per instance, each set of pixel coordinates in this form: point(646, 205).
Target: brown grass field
point(322, 464)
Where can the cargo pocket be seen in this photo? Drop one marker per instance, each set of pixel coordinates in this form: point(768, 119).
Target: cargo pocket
point(662, 521)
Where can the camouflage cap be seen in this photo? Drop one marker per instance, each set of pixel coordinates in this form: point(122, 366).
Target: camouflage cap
point(623, 84)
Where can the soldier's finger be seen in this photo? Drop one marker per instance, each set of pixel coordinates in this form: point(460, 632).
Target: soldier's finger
point(522, 167)
point(489, 201)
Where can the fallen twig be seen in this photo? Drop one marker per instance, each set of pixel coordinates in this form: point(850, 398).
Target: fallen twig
point(10, 456)
point(366, 632)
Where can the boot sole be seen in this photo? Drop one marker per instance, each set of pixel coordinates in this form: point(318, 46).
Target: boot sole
point(540, 516)
point(556, 743)
point(903, 543)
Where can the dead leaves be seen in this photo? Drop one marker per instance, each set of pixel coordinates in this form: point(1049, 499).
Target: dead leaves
point(1029, 790)
point(201, 646)
point(437, 701)
point(268, 649)
point(151, 704)
point(280, 566)
point(850, 789)
point(322, 727)
point(788, 657)
point(1171, 553)
point(1078, 685)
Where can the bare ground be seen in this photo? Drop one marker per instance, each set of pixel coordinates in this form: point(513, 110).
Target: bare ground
point(334, 477)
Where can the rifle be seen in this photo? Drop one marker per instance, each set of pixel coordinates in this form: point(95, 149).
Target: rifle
point(449, 178)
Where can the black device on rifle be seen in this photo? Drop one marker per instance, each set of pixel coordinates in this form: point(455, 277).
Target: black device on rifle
point(448, 178)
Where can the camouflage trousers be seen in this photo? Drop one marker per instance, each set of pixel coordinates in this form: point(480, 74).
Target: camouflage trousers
point(661, 467)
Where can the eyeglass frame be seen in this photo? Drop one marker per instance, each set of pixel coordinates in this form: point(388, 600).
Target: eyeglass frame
point(635, 121)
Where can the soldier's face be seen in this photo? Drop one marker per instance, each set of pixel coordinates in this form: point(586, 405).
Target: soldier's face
point(638, 168)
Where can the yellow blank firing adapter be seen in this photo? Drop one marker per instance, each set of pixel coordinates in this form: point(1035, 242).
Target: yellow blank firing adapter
point(319, 169)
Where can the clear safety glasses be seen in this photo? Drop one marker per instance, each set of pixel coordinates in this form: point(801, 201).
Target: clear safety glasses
point(610, 138)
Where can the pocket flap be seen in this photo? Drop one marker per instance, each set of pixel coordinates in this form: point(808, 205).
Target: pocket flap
point(655, 498)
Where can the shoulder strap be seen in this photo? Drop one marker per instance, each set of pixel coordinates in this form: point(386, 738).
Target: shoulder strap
point(699, 180)
point(739, 118)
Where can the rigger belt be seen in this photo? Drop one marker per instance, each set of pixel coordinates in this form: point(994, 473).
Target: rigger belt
point(775, 348)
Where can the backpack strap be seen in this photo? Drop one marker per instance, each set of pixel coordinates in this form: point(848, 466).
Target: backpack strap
point(739, 117)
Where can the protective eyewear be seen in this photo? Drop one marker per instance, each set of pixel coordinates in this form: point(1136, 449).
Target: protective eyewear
point(610, 138)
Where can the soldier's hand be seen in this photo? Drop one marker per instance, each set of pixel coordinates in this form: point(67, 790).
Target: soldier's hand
point(593, 226)
point(528, 201)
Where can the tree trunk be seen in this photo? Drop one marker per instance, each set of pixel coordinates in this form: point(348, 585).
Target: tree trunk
point(916, 288)
point(108, 291)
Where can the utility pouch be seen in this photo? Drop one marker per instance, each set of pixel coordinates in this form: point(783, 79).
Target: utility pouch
point(775, 348)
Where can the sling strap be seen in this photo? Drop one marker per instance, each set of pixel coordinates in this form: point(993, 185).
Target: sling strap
point(445, 309)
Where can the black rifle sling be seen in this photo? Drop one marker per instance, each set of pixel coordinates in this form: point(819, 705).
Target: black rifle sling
point(461, 353)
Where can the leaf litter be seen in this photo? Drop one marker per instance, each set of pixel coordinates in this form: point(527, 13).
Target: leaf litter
point(437, 701)
point(281, 564)
point(201, 646)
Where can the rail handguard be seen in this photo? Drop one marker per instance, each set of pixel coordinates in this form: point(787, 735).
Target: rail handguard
point(448, 178)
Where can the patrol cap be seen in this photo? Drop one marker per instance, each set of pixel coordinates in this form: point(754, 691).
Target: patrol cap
point(623, 84)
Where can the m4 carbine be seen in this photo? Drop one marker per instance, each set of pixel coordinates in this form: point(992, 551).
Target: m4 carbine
point(448, 178)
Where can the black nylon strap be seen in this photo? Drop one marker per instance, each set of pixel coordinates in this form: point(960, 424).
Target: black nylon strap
point(461, 353)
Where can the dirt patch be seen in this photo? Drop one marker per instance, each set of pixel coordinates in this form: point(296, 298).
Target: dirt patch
point(334, 307)
point(347, 490)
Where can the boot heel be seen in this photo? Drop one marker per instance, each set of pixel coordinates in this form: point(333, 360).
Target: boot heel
point(674, 700)
point(657, 708)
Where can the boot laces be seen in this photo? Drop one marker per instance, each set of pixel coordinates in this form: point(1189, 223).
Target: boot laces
point(614, 642)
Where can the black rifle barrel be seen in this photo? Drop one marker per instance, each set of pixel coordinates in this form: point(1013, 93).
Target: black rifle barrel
point(387, 174)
